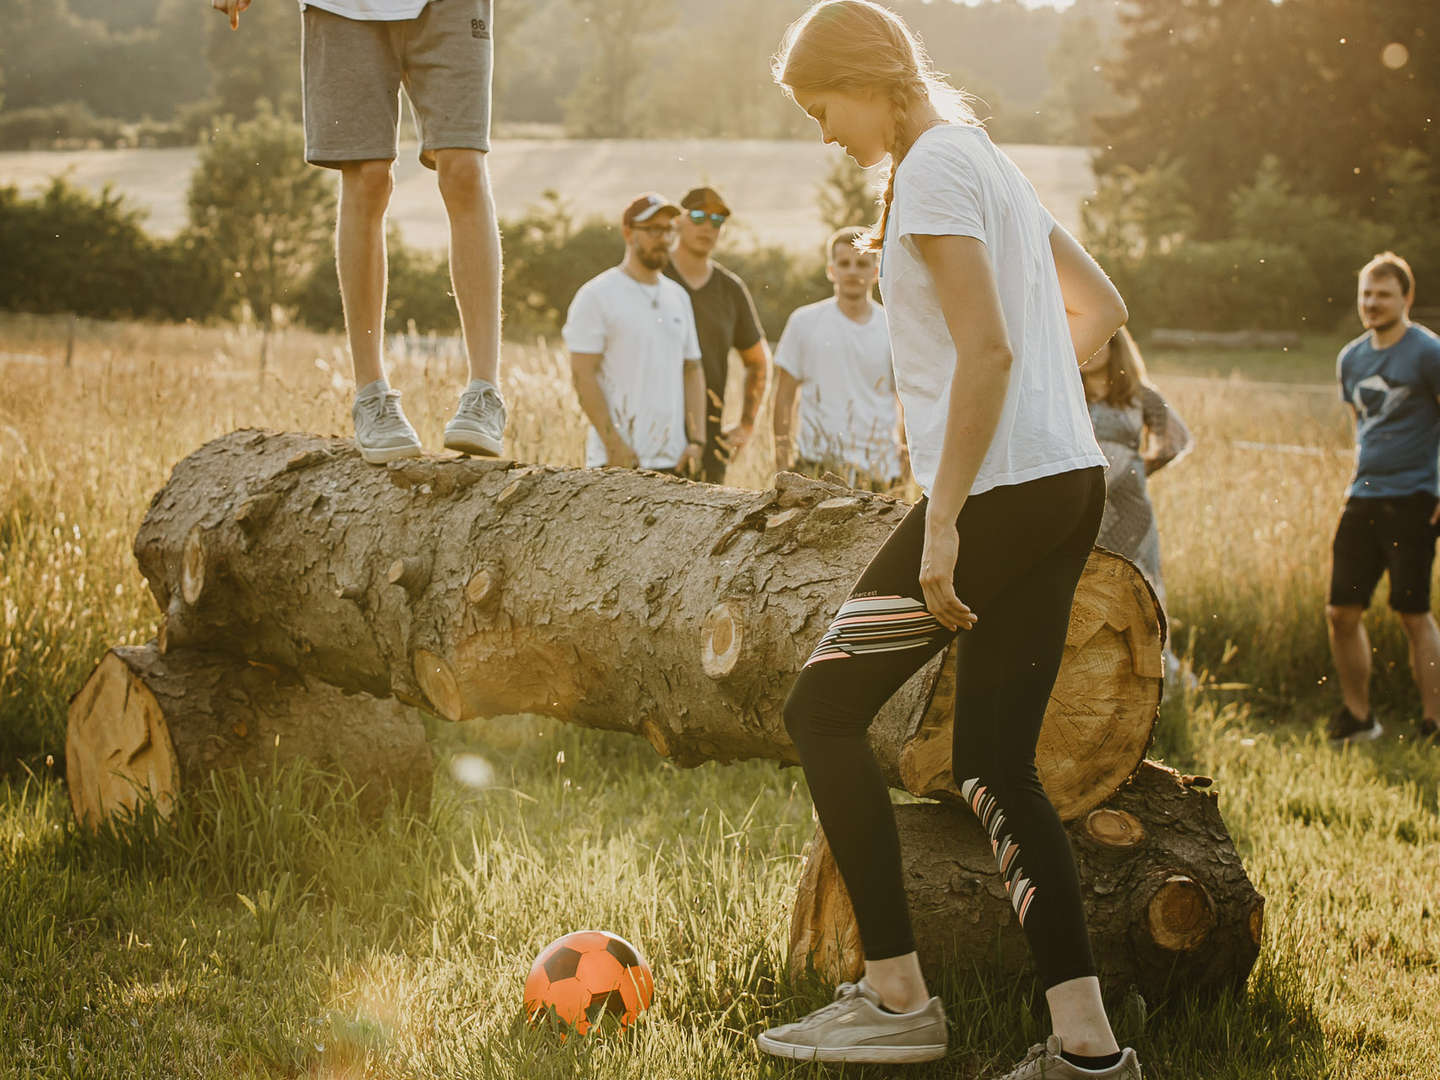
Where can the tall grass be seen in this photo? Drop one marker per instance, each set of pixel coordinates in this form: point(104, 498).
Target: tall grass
point(270, 931)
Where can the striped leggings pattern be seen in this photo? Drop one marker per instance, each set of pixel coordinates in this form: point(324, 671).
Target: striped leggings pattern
point(877, 624)
point(1006, 851)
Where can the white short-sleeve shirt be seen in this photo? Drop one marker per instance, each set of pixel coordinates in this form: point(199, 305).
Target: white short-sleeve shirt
point(644, 333)
point(956, 182)
point(370, 10)
point(847, 390)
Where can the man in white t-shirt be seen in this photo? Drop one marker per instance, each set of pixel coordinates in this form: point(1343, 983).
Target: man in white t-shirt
point(836, 354)
point(356, 55)
point(635, 355)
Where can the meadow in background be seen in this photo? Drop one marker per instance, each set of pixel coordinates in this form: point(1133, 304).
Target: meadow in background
point(269, 932)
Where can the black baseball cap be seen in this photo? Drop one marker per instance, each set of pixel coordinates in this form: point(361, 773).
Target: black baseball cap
point(704, 198)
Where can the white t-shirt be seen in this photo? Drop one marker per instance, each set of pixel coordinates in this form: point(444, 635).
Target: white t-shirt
point(645, 333)
point(847, 390)
point(956, 182)
point(370, 10)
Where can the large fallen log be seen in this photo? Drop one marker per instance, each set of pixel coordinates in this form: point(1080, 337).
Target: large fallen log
point(1166, 898)
point(624, 600)
point(608, 598)
point(153, 726)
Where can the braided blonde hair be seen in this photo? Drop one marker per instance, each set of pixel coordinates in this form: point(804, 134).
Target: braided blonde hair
point(858, 45)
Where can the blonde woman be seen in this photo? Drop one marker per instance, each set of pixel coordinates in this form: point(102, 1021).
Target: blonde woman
point(1139, 433)
point(991, 308)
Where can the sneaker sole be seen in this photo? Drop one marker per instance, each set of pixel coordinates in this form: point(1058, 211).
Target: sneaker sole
point(1368, 735)
point(860, 1055)
point(472, 442)
point(380, 455)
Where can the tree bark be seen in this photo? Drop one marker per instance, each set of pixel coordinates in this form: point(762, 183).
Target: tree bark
point(1166, 898)
point(153, 725)
point(608, 598)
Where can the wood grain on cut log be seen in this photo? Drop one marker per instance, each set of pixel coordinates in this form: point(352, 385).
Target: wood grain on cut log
point(673, 610)
point(1089, 744)
point(1167, 901)
point(152, 726)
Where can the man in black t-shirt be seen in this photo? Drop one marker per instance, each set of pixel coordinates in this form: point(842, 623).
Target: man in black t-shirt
point(725, 318)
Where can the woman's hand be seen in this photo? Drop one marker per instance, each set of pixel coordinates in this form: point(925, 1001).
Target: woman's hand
point(937, 577)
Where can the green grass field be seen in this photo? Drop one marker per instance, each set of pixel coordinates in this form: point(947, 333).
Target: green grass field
point(267, 931)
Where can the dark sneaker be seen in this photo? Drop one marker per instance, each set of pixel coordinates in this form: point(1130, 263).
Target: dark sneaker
point(1045, 1063)
point(381, 431)
point(854, 1027)
point(479, 422)
point(1346, 727)
point(1427, 728)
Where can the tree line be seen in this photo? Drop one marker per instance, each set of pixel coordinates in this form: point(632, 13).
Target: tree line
point(155, 71)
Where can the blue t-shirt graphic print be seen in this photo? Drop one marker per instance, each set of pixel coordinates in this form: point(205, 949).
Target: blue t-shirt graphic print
point(1397, 431)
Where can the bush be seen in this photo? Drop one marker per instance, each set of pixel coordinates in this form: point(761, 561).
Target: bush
point(260, 214)
point(1283, 259)
point(419, 290)
point(70, 251)
point(42, 127)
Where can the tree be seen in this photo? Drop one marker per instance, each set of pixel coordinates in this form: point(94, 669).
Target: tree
point(847, 197)
point(603, 104)
point(258, 63)
point(1333, 89)
point(263, 215)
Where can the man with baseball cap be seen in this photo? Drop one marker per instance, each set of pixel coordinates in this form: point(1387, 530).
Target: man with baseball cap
point(724, 319)
point(634, 354)
point(356, 56)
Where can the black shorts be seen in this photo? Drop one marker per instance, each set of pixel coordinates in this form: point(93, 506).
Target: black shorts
point(1380, 534)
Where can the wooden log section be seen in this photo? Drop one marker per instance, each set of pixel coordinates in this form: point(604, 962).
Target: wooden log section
point(608, 598)
point(148, 725)
point(1167, 901)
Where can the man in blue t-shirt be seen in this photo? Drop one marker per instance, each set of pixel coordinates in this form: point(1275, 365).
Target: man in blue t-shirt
point(1390, 378)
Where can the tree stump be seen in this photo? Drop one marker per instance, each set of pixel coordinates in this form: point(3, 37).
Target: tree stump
point(147, 725)
point(1166, 897)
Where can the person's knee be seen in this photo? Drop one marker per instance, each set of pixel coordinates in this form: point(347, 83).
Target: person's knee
point(1344, 618)
point(1418, 623)
point(367, 185)
point(464, 180)
point(799, 714)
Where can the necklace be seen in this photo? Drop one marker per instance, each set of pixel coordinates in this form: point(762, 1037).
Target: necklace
point(653, 297)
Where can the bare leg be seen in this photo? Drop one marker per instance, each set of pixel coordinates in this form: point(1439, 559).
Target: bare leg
point(1077, 1015)
point(1350, 645)
point(898, 981)
point(1425, 660)
point(474, 255)
point(365, 188)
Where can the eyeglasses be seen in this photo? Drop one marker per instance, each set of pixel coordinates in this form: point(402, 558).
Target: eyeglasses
point(654, 230)
point(699, 216)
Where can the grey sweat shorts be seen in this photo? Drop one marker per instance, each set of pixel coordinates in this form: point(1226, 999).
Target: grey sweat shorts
point(353, 71)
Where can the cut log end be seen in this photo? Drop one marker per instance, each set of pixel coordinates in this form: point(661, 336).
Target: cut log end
point(1181, 914)
point(482, 586)
point(118, 751)
point(437, 681)
point(721, 638)
point(1114, 828)
point(1257, 922)
point(192, 566)
point(411, 573)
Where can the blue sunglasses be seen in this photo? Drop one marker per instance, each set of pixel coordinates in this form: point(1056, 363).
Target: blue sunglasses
point(699, 216)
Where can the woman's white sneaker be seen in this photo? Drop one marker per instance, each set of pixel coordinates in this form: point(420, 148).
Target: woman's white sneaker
point(855, 1028)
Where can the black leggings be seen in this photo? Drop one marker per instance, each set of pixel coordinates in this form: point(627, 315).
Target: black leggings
point(1022, 550)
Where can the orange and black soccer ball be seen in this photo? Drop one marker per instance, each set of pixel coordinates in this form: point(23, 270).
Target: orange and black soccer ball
point(586, 977)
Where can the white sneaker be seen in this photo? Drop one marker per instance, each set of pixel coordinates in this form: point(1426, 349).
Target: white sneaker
point(381, 431)
point(478, 425)
point(854, 1027)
